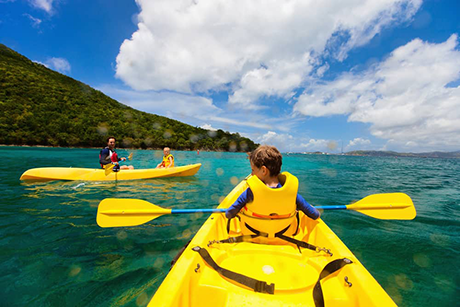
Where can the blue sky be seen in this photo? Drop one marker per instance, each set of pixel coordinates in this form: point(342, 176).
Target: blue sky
point(300, 75)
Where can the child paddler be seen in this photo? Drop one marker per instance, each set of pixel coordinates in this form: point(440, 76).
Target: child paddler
point(271, 202)
point(168, 159)
point(268, 208)
point(109, 156)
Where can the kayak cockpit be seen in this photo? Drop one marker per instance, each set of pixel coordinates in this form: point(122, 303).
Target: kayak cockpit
point(283, 273)
point(292, 272)
point(283, 266)
point(293, 275)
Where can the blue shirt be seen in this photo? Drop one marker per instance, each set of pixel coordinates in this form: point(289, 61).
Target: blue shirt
point(103, 156)
point(247, 196)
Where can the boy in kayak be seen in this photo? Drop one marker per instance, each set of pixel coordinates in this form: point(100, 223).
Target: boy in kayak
point(168, 159)
point(109, 156)
point(271, 202)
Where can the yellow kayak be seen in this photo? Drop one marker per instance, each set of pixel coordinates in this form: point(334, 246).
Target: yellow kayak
point(88, 174)
point(212, 272)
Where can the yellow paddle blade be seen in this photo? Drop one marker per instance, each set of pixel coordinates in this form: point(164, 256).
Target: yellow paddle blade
point(108, 168)
point(388, 206)
point(130, 156)
point(119, 212)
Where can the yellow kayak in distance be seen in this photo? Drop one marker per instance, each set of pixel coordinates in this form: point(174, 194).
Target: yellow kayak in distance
point(88, 174)
point(214, 271)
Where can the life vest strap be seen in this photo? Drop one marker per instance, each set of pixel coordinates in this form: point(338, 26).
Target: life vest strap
point(254, 284)
point(298, 224)
point(239, 239)
point(281, 235)
point(228, 223)
point(297, 242)
point(257, 233)
point(329, 269)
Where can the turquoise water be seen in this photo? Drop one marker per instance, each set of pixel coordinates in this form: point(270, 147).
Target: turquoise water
point(54, 254)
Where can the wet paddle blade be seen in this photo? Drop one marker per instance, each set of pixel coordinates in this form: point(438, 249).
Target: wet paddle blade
point(120, 212)
point(388, 206)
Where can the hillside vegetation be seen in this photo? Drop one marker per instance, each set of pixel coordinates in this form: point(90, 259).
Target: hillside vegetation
point(39, 106)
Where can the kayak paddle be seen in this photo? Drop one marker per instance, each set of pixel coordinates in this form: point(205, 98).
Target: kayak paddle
point(119, 212)
point(109, 167)
point(385, 206)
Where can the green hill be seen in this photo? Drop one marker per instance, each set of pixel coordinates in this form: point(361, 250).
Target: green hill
point(39, 106)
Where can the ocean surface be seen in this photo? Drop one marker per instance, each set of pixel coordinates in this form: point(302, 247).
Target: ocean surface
point(52, 252)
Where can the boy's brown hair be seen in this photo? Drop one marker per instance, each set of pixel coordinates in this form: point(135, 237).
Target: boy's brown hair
point(268, 156)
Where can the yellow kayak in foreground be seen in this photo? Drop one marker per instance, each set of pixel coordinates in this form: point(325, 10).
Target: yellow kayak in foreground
point(88, 174)
point(276, 273)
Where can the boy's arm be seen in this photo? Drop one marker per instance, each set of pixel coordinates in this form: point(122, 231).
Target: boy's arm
point(242, 200)
point(306, 208)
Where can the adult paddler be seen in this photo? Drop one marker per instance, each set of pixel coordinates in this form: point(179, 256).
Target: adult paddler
point(109, 156)
point(168, 159)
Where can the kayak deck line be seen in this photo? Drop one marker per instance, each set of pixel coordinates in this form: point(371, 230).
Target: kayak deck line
point(89, 174)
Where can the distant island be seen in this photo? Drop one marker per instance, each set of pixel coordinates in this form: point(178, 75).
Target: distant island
point(377, 153)
point(39, 106)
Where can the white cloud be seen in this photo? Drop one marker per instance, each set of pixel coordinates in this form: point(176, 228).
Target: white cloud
point(316, 145)
point(208, 127)
point(358, 143)
point(280, 141)
point(190, 109)
point(35, 21)
point(323, 145)
point(287, 142)
point(281, 79)
point(253, 48)
point(404, 98)
point(240, 122)
point(38, 62)
point(172, 105)
point(46, 5)
point(59, 64)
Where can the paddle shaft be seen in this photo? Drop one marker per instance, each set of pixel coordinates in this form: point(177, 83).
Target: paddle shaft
point(178, 211)
point(336, 207)
point(182, 211)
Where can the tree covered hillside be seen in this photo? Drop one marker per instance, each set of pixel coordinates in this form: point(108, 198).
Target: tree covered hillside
point(39, 106)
